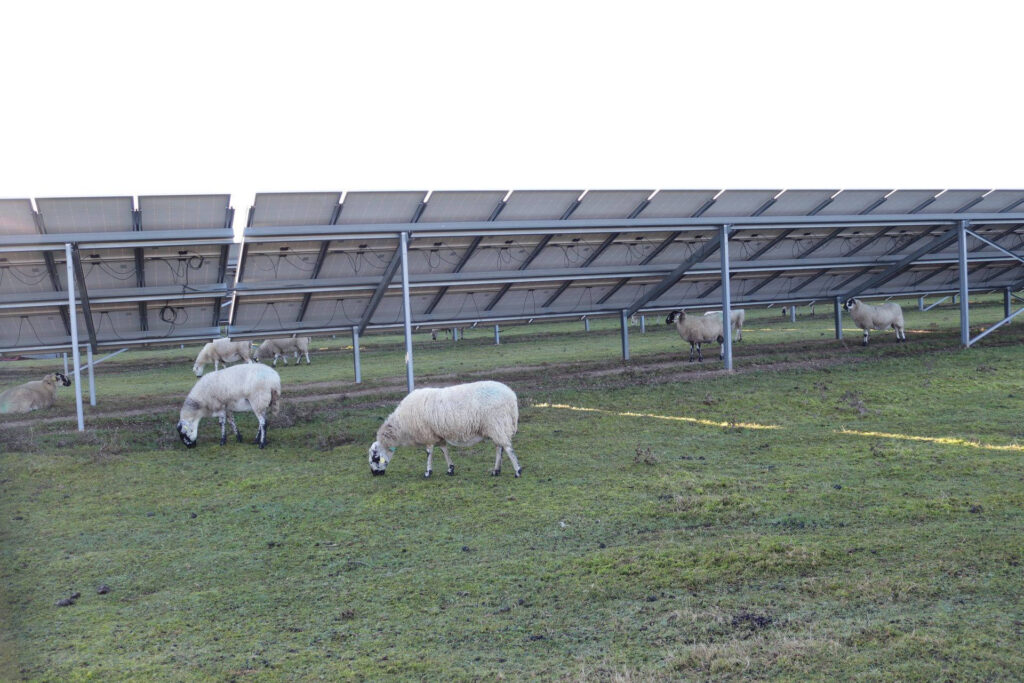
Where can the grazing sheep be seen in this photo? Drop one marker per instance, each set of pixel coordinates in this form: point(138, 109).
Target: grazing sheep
point(737, 316)
point(697, 331)
point(272, 348)
point(32, 395)
point(239, 387)
point(881, 317)
point(222, 351)
point(461, 415)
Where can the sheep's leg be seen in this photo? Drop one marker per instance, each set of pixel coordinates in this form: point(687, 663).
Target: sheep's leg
point(865, 342)
point(261, 434)
point(430, 461)
point(512, 457)
point(497, 464)
point(234, 427)
point(700, 356)
point(307, 358)
point(223, 438)
point(448, 459)
point(691, 352)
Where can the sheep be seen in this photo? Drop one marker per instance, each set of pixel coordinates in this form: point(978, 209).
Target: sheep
point(737, 316)
point(697, 331)
point(881, 317)
point(32, 395)
point(461, 415)
point(239, 387)
point(272, 348)
point(221, 351)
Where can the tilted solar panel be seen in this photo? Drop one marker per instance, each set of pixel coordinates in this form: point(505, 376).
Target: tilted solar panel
point(448, 206)
point(379, 207)
point(17, 217)
point(294, 208)
point(184, 212)
point(86, 214)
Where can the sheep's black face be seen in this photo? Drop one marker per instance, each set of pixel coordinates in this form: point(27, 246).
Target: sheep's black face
point(850, 303)
point(379, 459)
point(186, 439)
point(63, 379)
point(671, 318)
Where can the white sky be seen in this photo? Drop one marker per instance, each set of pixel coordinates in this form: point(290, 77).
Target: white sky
point(129, 98)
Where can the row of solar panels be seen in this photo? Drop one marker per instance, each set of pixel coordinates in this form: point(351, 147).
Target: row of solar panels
point(326, 262)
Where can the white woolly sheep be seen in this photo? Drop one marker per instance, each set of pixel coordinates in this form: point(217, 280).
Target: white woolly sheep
point(737, 316)
point(461, 415)
point(272, 348)
point(881, 317)
point(697, 331)
point(222, 351)
point(32, 395)
point(239, 387)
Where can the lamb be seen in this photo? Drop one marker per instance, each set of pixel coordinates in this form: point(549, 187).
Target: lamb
point(881, 317)
point(32, 395)
point(737, 316)
point(461, 415)
point(239, 387)
point(697, 331)
point(272, 348)
point(221, 351)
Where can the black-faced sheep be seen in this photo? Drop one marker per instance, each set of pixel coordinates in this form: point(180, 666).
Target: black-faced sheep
point(880, 317)
point(32, 395)
point(737, 316)
point(697, 331)
point(461, 415)
point(272, 348)
point(222, 351)
point(240, 387)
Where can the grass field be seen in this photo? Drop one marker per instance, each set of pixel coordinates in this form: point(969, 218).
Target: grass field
point(827, 511)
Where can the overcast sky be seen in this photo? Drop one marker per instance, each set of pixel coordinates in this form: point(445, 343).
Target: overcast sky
point(129, 98)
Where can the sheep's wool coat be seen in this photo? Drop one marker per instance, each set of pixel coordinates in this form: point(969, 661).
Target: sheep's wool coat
point(699, 329)
point(461, 415)
point(239, 387)
point(282, 346)
point(29, 396)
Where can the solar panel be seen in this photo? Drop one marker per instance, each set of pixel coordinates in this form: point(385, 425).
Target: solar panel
point(999, 201)
point(380, 207)
point(538, 205)
point(953, 201)
point(677, 203)
point(609, 204)
point(739, 202)
point(904, 201)
point(852, 202)
point(184, 212)
point(461, 206)
point(798, 202)
point(86, 214)
point(17, 217)
point(294, 208)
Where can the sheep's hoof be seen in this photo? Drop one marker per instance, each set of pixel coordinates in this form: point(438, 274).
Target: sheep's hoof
point(519, 472)
point(451, 470)
point(426, 475)
point(239, 437)
point(223, 440)
point(863, 343)
point(377, 473)
point(496, 473)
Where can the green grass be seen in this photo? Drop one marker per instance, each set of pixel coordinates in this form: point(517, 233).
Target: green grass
point(637, 545)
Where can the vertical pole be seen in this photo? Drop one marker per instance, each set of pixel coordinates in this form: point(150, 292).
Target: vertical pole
point(839, 317)
point(406, 308)
point(723, 248)
point(355, 354)
point(455, 334)
point(624, 323)
point(92, 379)
point(920, 303)
point(965, 325)
point(65, 365)
point(1006, 303)
point(75, 351)
point(497, 335)
point(586, 324)
point(792, 313)
point(643, 324)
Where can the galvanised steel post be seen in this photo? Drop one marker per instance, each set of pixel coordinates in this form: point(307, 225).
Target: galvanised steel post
point(792, 313)
point(624, 323)
point(643, 324)
point(355, 354)
point(92, 379)
point(1006, 302)
point(965, 326)
point(838, 304)
point(586, 324)
point(407, 310)
point(726, 297)
point(75, 351)
point(497, 335)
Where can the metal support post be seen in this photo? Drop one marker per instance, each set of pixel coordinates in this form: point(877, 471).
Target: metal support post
point(965, 326)
point(92, 379)
point(1006, 302)
point(75, 352)
point(497, 335)
point(838, 304)
point(920, 303)
point(586, 324)
point(643, 324)
point(65, 364)
point(355, 354)
point(792, 313)
point(726, 299)
point(624, 323)
point(455, 334)
point(407, 310)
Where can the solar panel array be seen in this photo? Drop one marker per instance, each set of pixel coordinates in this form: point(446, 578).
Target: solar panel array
point(323, 262)
point(150, 272)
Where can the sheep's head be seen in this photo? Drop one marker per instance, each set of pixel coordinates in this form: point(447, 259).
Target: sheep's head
point(188, 432)
point(198, 369)
point(379, 458)
point(58, 377)
point(851, 303)
point(672, 317)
